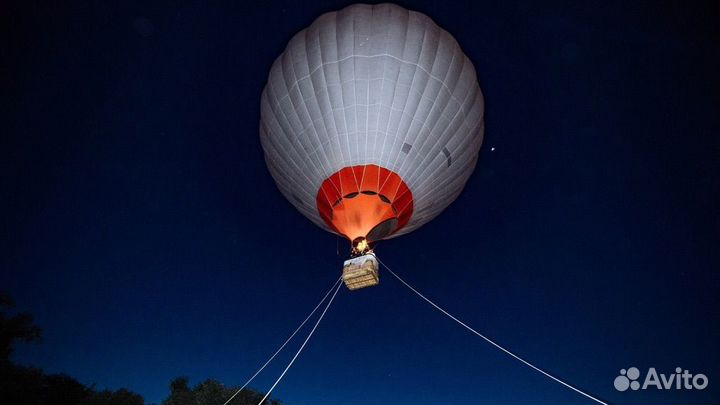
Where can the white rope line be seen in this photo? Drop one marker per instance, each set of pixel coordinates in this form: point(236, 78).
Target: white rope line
point(303, 345)
point(284, 344)
point(490, 340)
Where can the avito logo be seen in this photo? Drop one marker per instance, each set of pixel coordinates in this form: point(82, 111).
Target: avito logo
point(679, 380)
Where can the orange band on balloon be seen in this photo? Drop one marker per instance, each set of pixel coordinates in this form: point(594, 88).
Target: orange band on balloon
point(365, 201)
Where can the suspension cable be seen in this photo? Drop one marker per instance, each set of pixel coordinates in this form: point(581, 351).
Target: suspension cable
point(302, 346)
point(286, 342)
point(490, 340)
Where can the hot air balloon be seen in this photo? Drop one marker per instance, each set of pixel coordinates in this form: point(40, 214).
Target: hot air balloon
point(371, 124)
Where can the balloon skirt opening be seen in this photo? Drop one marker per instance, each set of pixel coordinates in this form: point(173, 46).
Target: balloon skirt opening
point(365, 201)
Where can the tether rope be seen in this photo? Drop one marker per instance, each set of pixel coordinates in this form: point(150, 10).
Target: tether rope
point(286, 342)
point(303, 345)
point(487, 339)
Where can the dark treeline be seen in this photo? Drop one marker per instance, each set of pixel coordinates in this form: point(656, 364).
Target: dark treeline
point(30, 385)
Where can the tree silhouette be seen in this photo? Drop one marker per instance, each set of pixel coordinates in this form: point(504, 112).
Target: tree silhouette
point(18, 327)
point(30, 385)
point(107, 397)
point(211, 392)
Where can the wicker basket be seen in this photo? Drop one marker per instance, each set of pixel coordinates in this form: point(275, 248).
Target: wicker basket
point(361, 272)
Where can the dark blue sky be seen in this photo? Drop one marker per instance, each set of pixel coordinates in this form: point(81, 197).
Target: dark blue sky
point(142, 229)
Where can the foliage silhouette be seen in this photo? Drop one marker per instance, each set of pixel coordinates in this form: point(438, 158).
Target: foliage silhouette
point(16, 328)
point(211, 392)
point(30, 385)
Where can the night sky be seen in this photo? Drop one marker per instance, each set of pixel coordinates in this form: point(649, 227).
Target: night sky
point(141, 228)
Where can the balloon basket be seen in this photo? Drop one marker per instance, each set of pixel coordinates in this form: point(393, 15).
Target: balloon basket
point(360, 272)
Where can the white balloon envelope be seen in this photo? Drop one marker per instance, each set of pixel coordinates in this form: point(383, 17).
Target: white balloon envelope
point(371, 121)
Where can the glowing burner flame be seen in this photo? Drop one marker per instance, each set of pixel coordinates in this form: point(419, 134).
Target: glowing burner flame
point(360, 246)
